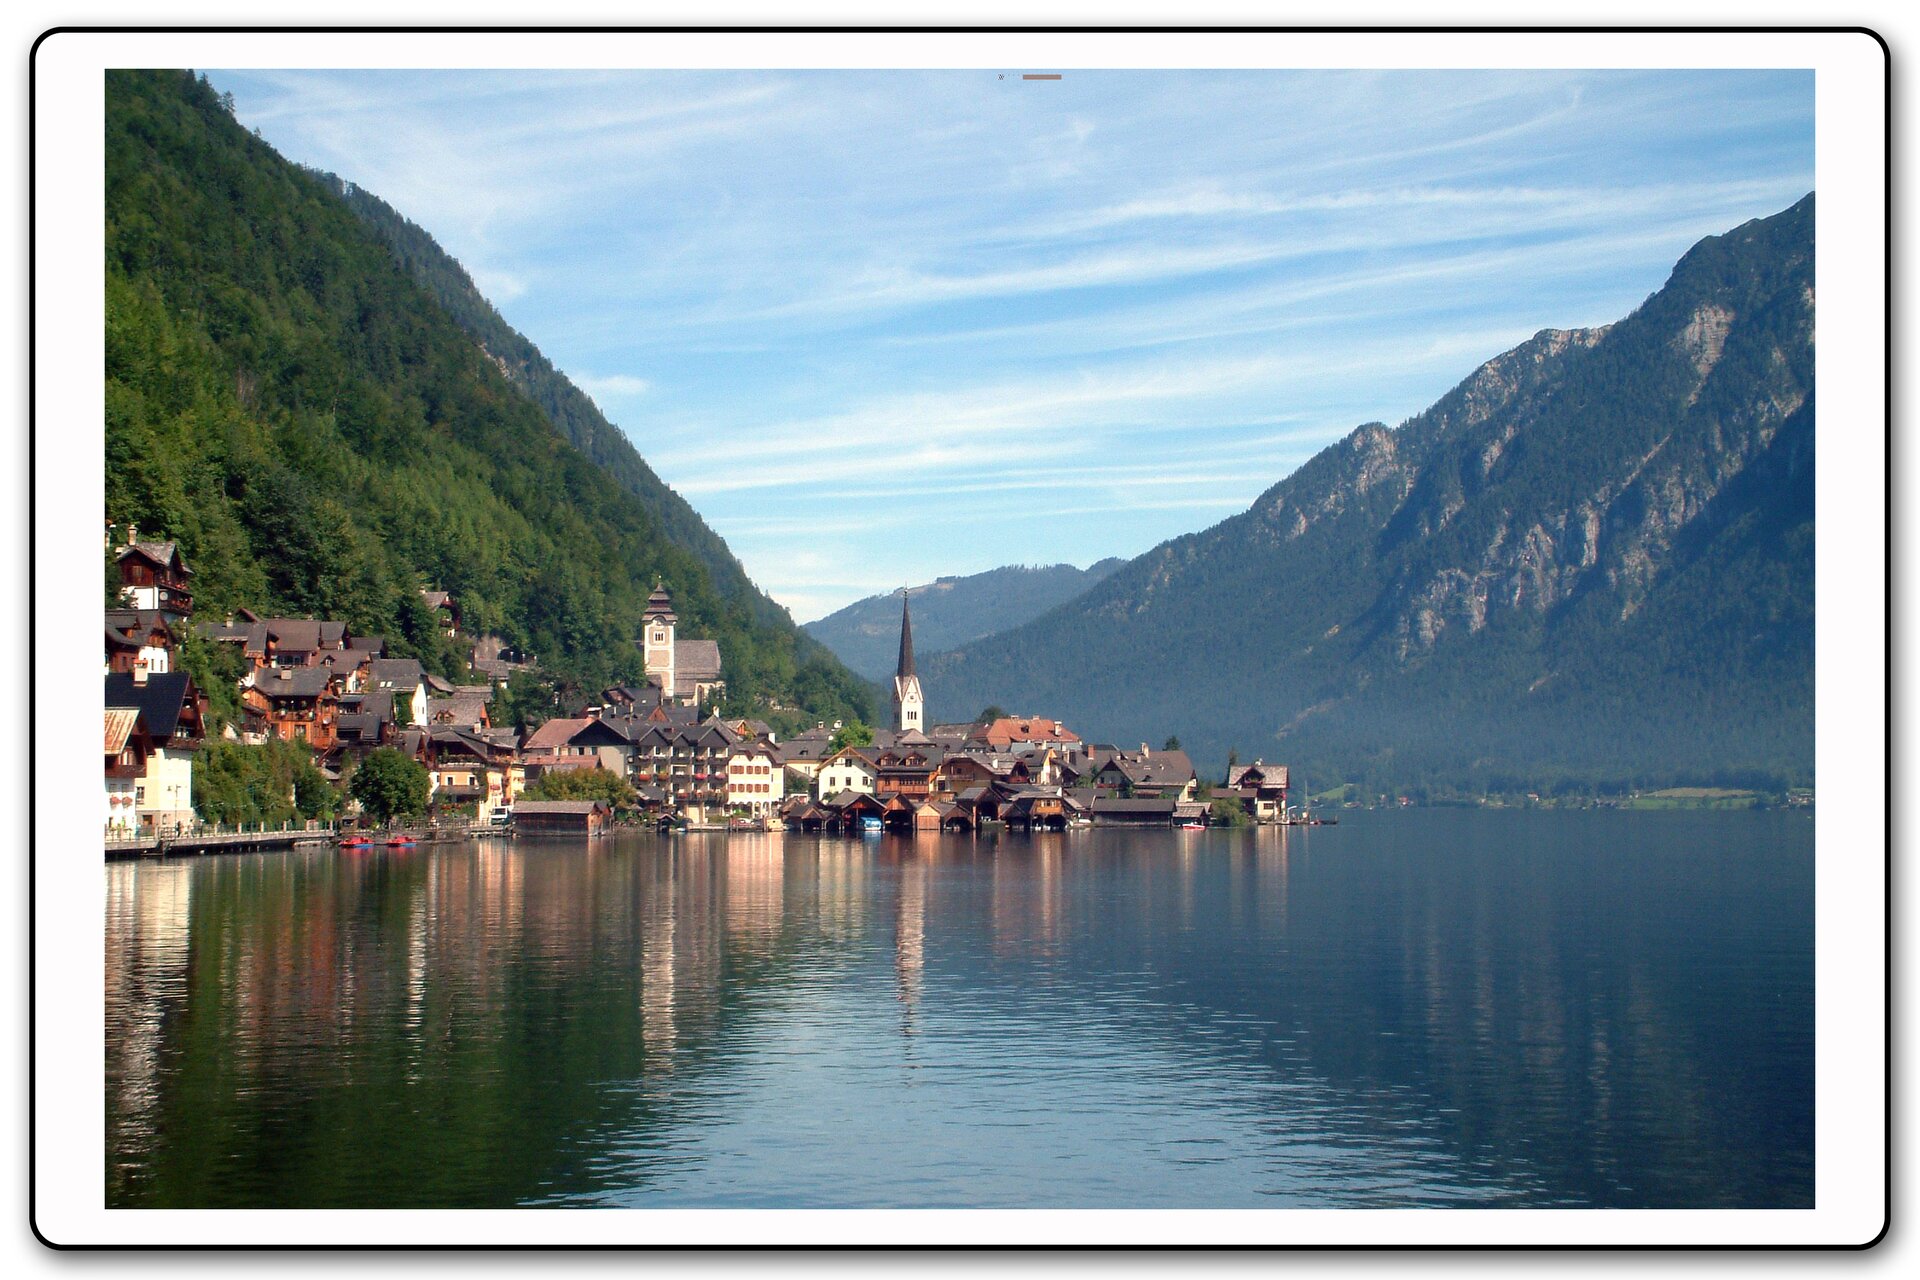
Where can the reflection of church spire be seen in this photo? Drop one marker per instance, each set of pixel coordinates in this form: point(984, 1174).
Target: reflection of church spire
point(910, 939)
point(909, 706)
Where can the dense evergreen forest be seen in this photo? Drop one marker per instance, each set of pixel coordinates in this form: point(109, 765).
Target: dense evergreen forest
point(570, 410)
point(1588, 567)
point(322, 438)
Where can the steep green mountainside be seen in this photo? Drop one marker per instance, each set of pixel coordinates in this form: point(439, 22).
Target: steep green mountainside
point(951, 611)
point(321, 437)
point(1591, 563)
point(566, 406)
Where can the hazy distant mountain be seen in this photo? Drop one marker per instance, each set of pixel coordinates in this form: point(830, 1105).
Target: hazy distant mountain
point(1592, 560)
point(951, 611)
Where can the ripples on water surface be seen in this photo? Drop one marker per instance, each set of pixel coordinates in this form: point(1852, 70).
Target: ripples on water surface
point(1410, 1009)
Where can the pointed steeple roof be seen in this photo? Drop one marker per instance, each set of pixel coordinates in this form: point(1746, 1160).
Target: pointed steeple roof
point(906, 637)
point(660, 604)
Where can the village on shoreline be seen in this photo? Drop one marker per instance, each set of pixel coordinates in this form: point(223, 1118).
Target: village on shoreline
point(376, 741)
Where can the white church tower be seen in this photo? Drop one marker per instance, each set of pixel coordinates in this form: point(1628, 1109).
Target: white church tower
point(656, 637)
point(909, 707)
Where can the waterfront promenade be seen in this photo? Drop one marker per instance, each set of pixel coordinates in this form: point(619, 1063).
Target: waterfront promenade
point(168, 841)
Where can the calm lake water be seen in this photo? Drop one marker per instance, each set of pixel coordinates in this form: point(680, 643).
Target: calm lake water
point(1409, 1009)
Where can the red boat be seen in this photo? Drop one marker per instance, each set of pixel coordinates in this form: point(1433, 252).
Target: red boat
point(356, 842)
point(401, 842)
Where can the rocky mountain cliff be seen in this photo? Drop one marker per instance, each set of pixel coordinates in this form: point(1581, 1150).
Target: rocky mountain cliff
point(1591, 561)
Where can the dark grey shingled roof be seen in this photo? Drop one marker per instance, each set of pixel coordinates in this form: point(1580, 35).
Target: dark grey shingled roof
point(373, 702)
point(696, 659)
point(905, 667)
point(358, 727)
point(481, 746)
point(460, 709)
point(297, 635)
point(1274, 774)
point(167, 553)
point(294, 682)
point(1158, 768)
point(159, 701)
point(145, 620)
point(395, 673)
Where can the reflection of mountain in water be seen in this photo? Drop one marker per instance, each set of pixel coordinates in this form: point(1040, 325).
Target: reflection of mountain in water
point(1429, 1011)
point(1576, 1018)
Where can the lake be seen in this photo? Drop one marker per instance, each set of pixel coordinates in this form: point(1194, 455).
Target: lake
point(1410, 1009)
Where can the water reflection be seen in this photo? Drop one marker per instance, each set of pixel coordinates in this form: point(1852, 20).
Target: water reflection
point(1441, 1009)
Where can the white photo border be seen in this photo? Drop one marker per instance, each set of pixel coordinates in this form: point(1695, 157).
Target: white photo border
point(1851, 841)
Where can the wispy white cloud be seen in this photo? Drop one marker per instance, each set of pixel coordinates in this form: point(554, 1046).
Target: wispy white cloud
point(882, 315)
point(613, 386)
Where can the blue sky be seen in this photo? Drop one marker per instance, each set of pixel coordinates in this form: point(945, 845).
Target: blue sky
point(883, 326)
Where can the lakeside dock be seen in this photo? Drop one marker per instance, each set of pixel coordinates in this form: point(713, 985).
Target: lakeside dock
point(186, 842)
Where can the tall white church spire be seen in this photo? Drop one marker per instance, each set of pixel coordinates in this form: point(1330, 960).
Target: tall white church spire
point(909, 706)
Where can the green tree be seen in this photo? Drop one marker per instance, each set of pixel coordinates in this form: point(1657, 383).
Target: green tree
point(1228, 811)
point(217, 670)
point(852, 734)
point(391, 784)
point(991, 712)
point(523, 702)
point(313, 795)
point(1171, 744)
point(584, 784)
point(271, 783)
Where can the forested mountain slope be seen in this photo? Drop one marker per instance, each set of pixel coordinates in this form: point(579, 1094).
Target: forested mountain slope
point(570, 410)
point(1590, 562)
point(951, 611)
point(321, 437)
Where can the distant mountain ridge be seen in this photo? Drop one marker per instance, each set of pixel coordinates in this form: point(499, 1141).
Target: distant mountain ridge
point(951, 611)
point(1591, 561)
